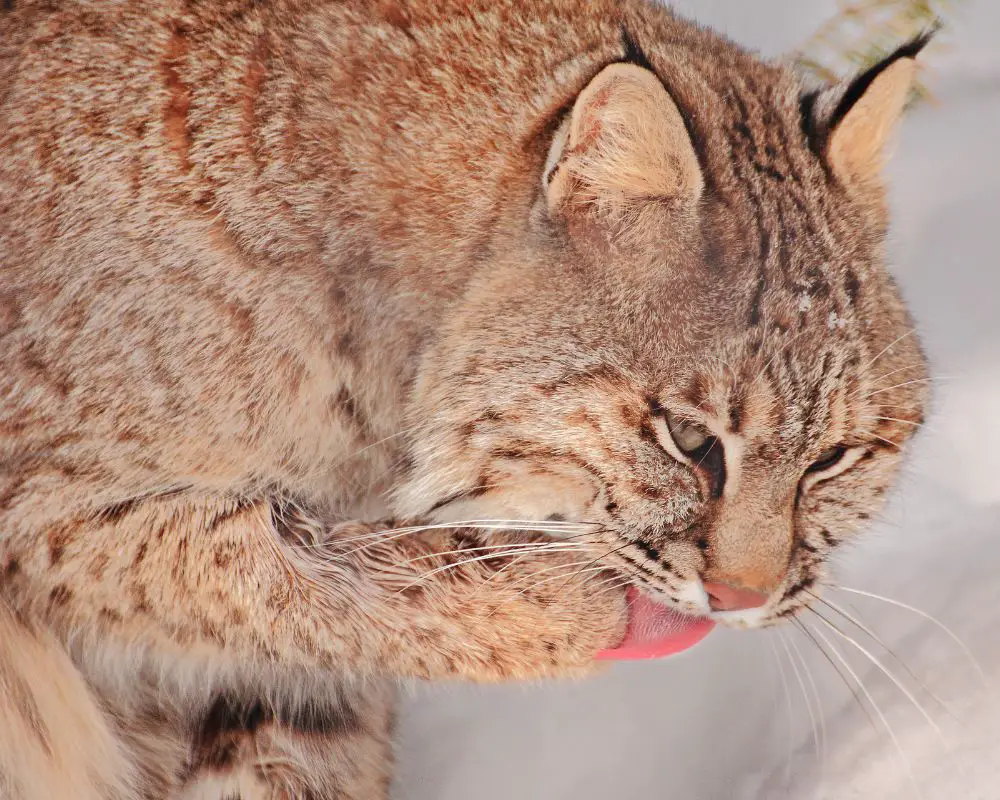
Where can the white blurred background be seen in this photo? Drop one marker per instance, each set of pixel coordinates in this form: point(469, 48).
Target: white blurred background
point(716, 723)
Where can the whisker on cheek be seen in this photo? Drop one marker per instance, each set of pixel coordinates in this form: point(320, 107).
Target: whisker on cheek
point(518, 559)
point(933, 620)
point(544, 570)
point(577, 574)
point(887, 441)
point(463, 563)
point(789, 641)
point(912, 422)
point(889, 347)
point(878, 640)
point(804, 630)
point(790, 715)
point(864, 689)
point(902, 385)
point(889, 674)
point(505, 550)
point(501, 525)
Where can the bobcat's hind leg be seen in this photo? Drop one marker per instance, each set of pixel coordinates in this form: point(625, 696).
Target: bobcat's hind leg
point(55, 742)
point(244, 752)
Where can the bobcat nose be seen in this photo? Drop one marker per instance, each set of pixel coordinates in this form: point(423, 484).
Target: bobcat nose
point(727, 598)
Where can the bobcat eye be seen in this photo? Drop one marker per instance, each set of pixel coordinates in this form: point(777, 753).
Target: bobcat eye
point(686, 436)
point(827, 459)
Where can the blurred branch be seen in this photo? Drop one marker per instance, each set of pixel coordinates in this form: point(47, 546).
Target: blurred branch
point(866, 31)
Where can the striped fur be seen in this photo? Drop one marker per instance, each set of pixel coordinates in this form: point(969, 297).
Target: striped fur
point(270, 267)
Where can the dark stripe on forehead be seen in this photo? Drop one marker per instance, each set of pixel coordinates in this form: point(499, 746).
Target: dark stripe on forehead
point(852, 286)
point(758, 299)
point(697, 391)
point(737, 400)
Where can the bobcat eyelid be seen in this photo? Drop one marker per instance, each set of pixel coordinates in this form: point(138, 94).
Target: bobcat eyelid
point(687, 436)
point(828, 459)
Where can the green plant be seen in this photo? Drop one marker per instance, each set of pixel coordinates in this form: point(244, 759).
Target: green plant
point(865, 31)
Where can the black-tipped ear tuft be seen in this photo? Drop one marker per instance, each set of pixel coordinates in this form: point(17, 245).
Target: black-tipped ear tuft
point(860, 84)
point(811, 127)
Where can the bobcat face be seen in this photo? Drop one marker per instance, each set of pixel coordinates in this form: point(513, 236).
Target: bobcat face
point(695, 348)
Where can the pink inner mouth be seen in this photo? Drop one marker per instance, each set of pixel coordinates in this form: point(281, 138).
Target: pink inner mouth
point(656, 631)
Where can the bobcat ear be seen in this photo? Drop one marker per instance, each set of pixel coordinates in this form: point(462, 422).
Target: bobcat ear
point(623, 148)
point(857, 118)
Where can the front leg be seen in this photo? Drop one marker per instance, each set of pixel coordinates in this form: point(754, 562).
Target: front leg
point(248, 750)
point(192, 575)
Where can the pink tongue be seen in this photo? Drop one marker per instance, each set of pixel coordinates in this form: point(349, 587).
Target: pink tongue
point(655, 631)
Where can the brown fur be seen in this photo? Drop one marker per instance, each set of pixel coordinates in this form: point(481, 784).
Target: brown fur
point(268, 267)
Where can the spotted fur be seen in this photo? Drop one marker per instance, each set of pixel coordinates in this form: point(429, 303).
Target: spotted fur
point(270, 267)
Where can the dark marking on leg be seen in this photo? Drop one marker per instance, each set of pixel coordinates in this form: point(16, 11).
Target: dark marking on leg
point(60, 596)
point(11, 568)
point(109, 615)
point(241, 504)
point(347, 405)
point(19, 694)
point(57, 546)
point(511, 453)
point(118, 511)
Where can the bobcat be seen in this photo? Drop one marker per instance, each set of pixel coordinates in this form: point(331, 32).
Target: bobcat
point(351, 342)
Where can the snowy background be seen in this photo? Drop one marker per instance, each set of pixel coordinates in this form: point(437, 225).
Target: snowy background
point(716, 723)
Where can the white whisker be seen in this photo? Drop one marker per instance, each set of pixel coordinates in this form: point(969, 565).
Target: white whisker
point(819, 707)
point(890, 675)
point(791, 718)
point(394, 533)
point(897, 445)
point(878, 640)
point(571, 565)
point(900, 386)
point(933, 620)
point(805, 695)
point(535, 585)
point(366, 448)
point(456, 565)
point(912, 422)
point(889, 346)
point(507, 549)
point(833, 665)
point(864, 689)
